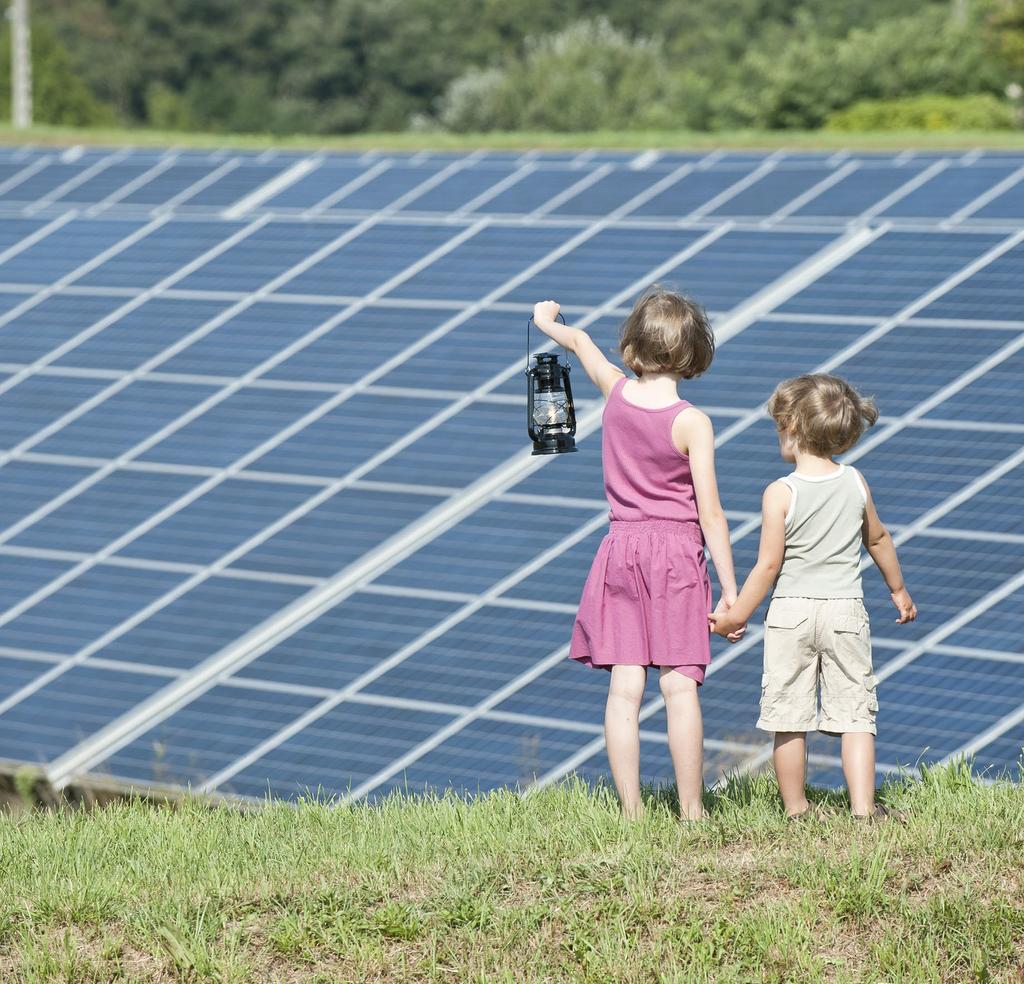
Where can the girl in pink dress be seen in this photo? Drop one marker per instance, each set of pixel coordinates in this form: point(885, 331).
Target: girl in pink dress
point(647, 598)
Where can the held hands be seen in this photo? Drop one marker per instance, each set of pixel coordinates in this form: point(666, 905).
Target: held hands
point(545, 313)
point(904, 605)
point(723, 624)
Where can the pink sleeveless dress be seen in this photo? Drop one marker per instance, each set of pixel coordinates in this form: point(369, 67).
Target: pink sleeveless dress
point(647, 597)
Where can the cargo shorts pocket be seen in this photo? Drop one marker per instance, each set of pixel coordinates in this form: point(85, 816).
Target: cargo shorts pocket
point(784, 618)
point(850, 624)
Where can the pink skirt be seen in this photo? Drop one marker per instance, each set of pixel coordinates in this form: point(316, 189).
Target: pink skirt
point(646, 600)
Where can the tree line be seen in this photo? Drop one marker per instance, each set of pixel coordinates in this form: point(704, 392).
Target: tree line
point(346, 66)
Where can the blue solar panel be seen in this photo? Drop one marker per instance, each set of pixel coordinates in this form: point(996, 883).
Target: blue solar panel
point(44, 181)
point(476, 656)
point(611, 261)
point(129, 416)
point(993, 397)
point(319, 183)
point(70, 709)
point(995, 508)
point(858, 191)
point(948, 191)
point(337, 533)
point(215, 522)
point(369, 260)
point(890, 273)
point(105, 511)
point(345, 501)
point(608, 193)
point(79, 613)
point(459, 189)
point(372, 735)
point(388, 186)
point(40, 329)
point(262, 256)
point(938, 358)
point(995, 292)
point(487, 755)
point(21, 576)
point(348, 435)
point(180, 751)
point(14, 231)
point(38, 402)
point(482, 264)
point(748, 367)
point(200, 622)
point(690, 192)
point(740, 264)
point(1008, 205)
point(455, 452)
point(158, 254)
point(533, 191)
point(141, 334)
point(168, 184)
point(104, 183)
point(772, 191)
point(27, 485)
point(940, 702)
point(360, 345)
point(999, 630)
point(65, 249)
point(352, 638)
point(486, 546)
point(234, 184)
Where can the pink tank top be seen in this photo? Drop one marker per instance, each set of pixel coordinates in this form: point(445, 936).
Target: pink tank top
point(645, 475)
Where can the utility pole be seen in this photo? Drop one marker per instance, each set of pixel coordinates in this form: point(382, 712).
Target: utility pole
point(960, 12)
point(21, 66)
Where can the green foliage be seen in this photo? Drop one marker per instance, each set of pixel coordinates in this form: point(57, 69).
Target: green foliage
point(1005, 31)
point(59, 96)
point(978, 112)
point(803, 82)
point(587, 76)
point(350, 66)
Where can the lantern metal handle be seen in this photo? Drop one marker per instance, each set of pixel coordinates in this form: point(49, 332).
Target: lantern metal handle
point(530, 321)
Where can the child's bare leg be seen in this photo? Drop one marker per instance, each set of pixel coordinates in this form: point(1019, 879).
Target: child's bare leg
point(859, 769)
point(791, 770)
point(685, 739)
point(622, 733)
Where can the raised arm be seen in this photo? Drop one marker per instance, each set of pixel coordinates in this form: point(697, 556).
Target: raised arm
point(879, 544)
point(761, 579)
point(695, 437)
point(602, 373)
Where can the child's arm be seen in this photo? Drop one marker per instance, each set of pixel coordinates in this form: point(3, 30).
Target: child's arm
point(774, 505)
point(694, 436)
point(602, 373)
point(878, 542)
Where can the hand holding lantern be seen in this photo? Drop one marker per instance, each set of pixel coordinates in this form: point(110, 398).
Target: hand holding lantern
point(550, 415)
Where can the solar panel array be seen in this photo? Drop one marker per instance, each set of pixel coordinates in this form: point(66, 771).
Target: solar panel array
point(268, 521)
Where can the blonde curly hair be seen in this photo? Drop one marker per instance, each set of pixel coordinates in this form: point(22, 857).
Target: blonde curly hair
point(823, 414)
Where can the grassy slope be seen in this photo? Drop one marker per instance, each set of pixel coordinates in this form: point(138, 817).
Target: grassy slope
point(551, 888)
point(666, 140)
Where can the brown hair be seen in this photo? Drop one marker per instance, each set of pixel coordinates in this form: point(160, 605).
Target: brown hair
point(824, 414)
point(666, 332)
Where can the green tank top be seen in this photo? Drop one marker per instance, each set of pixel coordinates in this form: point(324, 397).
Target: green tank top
point(823, 536)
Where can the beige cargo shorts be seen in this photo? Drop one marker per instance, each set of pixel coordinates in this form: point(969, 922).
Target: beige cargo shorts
point(817, 641)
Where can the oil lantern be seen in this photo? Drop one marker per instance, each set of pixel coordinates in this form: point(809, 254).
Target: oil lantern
point(550, 415)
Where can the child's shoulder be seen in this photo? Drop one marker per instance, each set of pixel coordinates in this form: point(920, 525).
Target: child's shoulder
point(777, 496)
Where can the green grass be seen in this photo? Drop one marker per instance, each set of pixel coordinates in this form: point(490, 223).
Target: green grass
point(606, 139)
point(551, 887)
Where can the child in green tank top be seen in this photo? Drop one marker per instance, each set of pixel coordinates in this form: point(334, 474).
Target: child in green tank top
point(814, 522)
